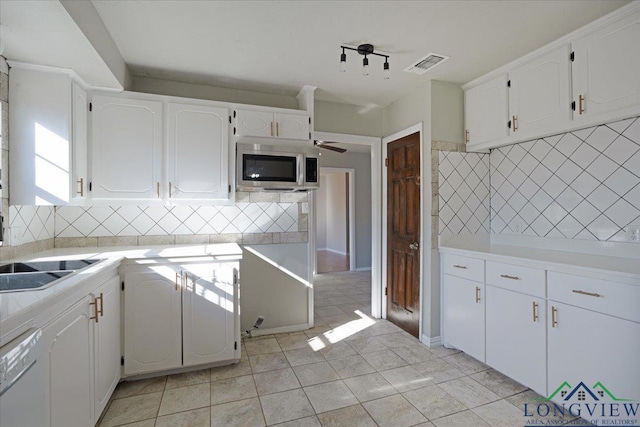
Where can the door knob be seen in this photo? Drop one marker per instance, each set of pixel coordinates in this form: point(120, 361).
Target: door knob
point(414, 246)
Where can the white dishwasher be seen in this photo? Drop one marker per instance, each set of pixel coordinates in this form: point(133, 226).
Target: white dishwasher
point(22, 381)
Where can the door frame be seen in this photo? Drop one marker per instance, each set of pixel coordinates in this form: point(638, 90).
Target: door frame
point(352, 216)
point(375, 150)
point(425, 241)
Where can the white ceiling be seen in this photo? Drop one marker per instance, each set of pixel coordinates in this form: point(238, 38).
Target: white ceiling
point(43, 33)
point(279, 46)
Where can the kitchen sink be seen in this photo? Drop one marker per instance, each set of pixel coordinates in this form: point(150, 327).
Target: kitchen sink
point(42, 266)
point(22, 276)
point(26, 281)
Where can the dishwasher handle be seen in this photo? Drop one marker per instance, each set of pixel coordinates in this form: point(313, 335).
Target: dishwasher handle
point(18, 356)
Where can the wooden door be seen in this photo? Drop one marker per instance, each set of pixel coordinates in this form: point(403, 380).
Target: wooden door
point(126, 148)
point(106, 344)
point(209, 313)
point(516, 336)
point(197, 151)
point(153, 320)
point(464, 315)
point(540, 95)
point(403, 233)
point(487, 111)
point(68, 344)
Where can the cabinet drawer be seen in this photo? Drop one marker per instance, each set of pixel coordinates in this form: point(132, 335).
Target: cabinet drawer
point(612, 298)
point(527, 280)
point(465, 267)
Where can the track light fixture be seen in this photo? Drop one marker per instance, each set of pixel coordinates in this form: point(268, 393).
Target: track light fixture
point(365, 50)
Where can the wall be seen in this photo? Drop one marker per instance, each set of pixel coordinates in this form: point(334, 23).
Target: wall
point(447, 112)
point(255, 218)
point(578, 185)
point(361, 162)
point(321, 214)
point(412, 109)
point(280, 296)
point(27, 229)
point(348, 119)
point(336, 212)
point(200, 91)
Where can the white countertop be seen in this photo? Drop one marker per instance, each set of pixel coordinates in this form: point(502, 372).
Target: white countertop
point(17, 308)
point(617, 268)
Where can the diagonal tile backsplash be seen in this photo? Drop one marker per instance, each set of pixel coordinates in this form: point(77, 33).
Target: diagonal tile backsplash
point(30, 223)
point(107, 221)
point(578, 185)
point(463, 188)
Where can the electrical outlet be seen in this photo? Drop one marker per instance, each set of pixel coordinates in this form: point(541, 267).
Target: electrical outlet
point(633, 233)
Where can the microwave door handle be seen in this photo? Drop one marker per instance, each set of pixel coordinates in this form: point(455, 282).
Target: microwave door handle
point(300, 175)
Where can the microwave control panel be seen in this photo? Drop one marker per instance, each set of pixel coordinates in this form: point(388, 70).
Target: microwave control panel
point(312, 169)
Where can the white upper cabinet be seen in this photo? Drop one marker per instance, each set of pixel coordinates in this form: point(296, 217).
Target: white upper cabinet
point(197, 144)
point(267, 124)
point(254, 123)
point(586, 78)
point(486, 111)
point(539, 94)
point(48, 122)
point(292, 126)
point(606, 70)
point(126, 148)
point(80, 129)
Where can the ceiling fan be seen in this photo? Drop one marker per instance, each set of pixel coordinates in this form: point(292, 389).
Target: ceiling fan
point(323, 144)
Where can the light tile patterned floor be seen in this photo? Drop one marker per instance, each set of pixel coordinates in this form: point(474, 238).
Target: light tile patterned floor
point(349, 370)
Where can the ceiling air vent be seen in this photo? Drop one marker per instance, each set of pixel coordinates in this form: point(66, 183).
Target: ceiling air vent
point(426, 63)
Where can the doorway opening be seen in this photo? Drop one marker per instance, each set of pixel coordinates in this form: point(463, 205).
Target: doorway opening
point(335, 226)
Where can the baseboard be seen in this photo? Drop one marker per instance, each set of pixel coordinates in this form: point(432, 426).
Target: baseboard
point(431, 342)
point(363, 269)
point(281, 330)
point(334, 251)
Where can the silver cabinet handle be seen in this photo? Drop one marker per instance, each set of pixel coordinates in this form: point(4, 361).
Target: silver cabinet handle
point(459, 266)
point(591, 294)
point(506, 276)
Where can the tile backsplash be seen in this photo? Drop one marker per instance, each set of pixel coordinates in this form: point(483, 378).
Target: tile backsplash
point(463, 189)
point(578, 185)
point(118, 221)
point(30, 224)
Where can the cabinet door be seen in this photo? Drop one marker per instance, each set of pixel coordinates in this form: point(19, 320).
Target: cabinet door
point(209, 313)
point(254, 123)
point(152, 318)
point(516, 337)
point(292, 126)
point(126, 148)
point(486, 111)
point(606, 70)
point(106, 344)
point(590, 347)
point(79, 181)
point(540, 95)
point(464, 315)
point(68, 341)
point(40, 127)
point(197, 148)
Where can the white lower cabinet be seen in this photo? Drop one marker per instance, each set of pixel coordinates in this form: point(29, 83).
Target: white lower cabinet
point(68, 341)
point(464, 315)
point(106, 344)
point(183, 314)
point(590, 347)
point(516, 336)
point(83, 357)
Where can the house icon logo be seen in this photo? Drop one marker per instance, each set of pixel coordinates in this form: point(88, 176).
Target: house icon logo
point(596, 403)
point(582, 393)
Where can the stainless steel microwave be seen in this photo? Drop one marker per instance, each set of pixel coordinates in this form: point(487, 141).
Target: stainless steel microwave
point(263, 167)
